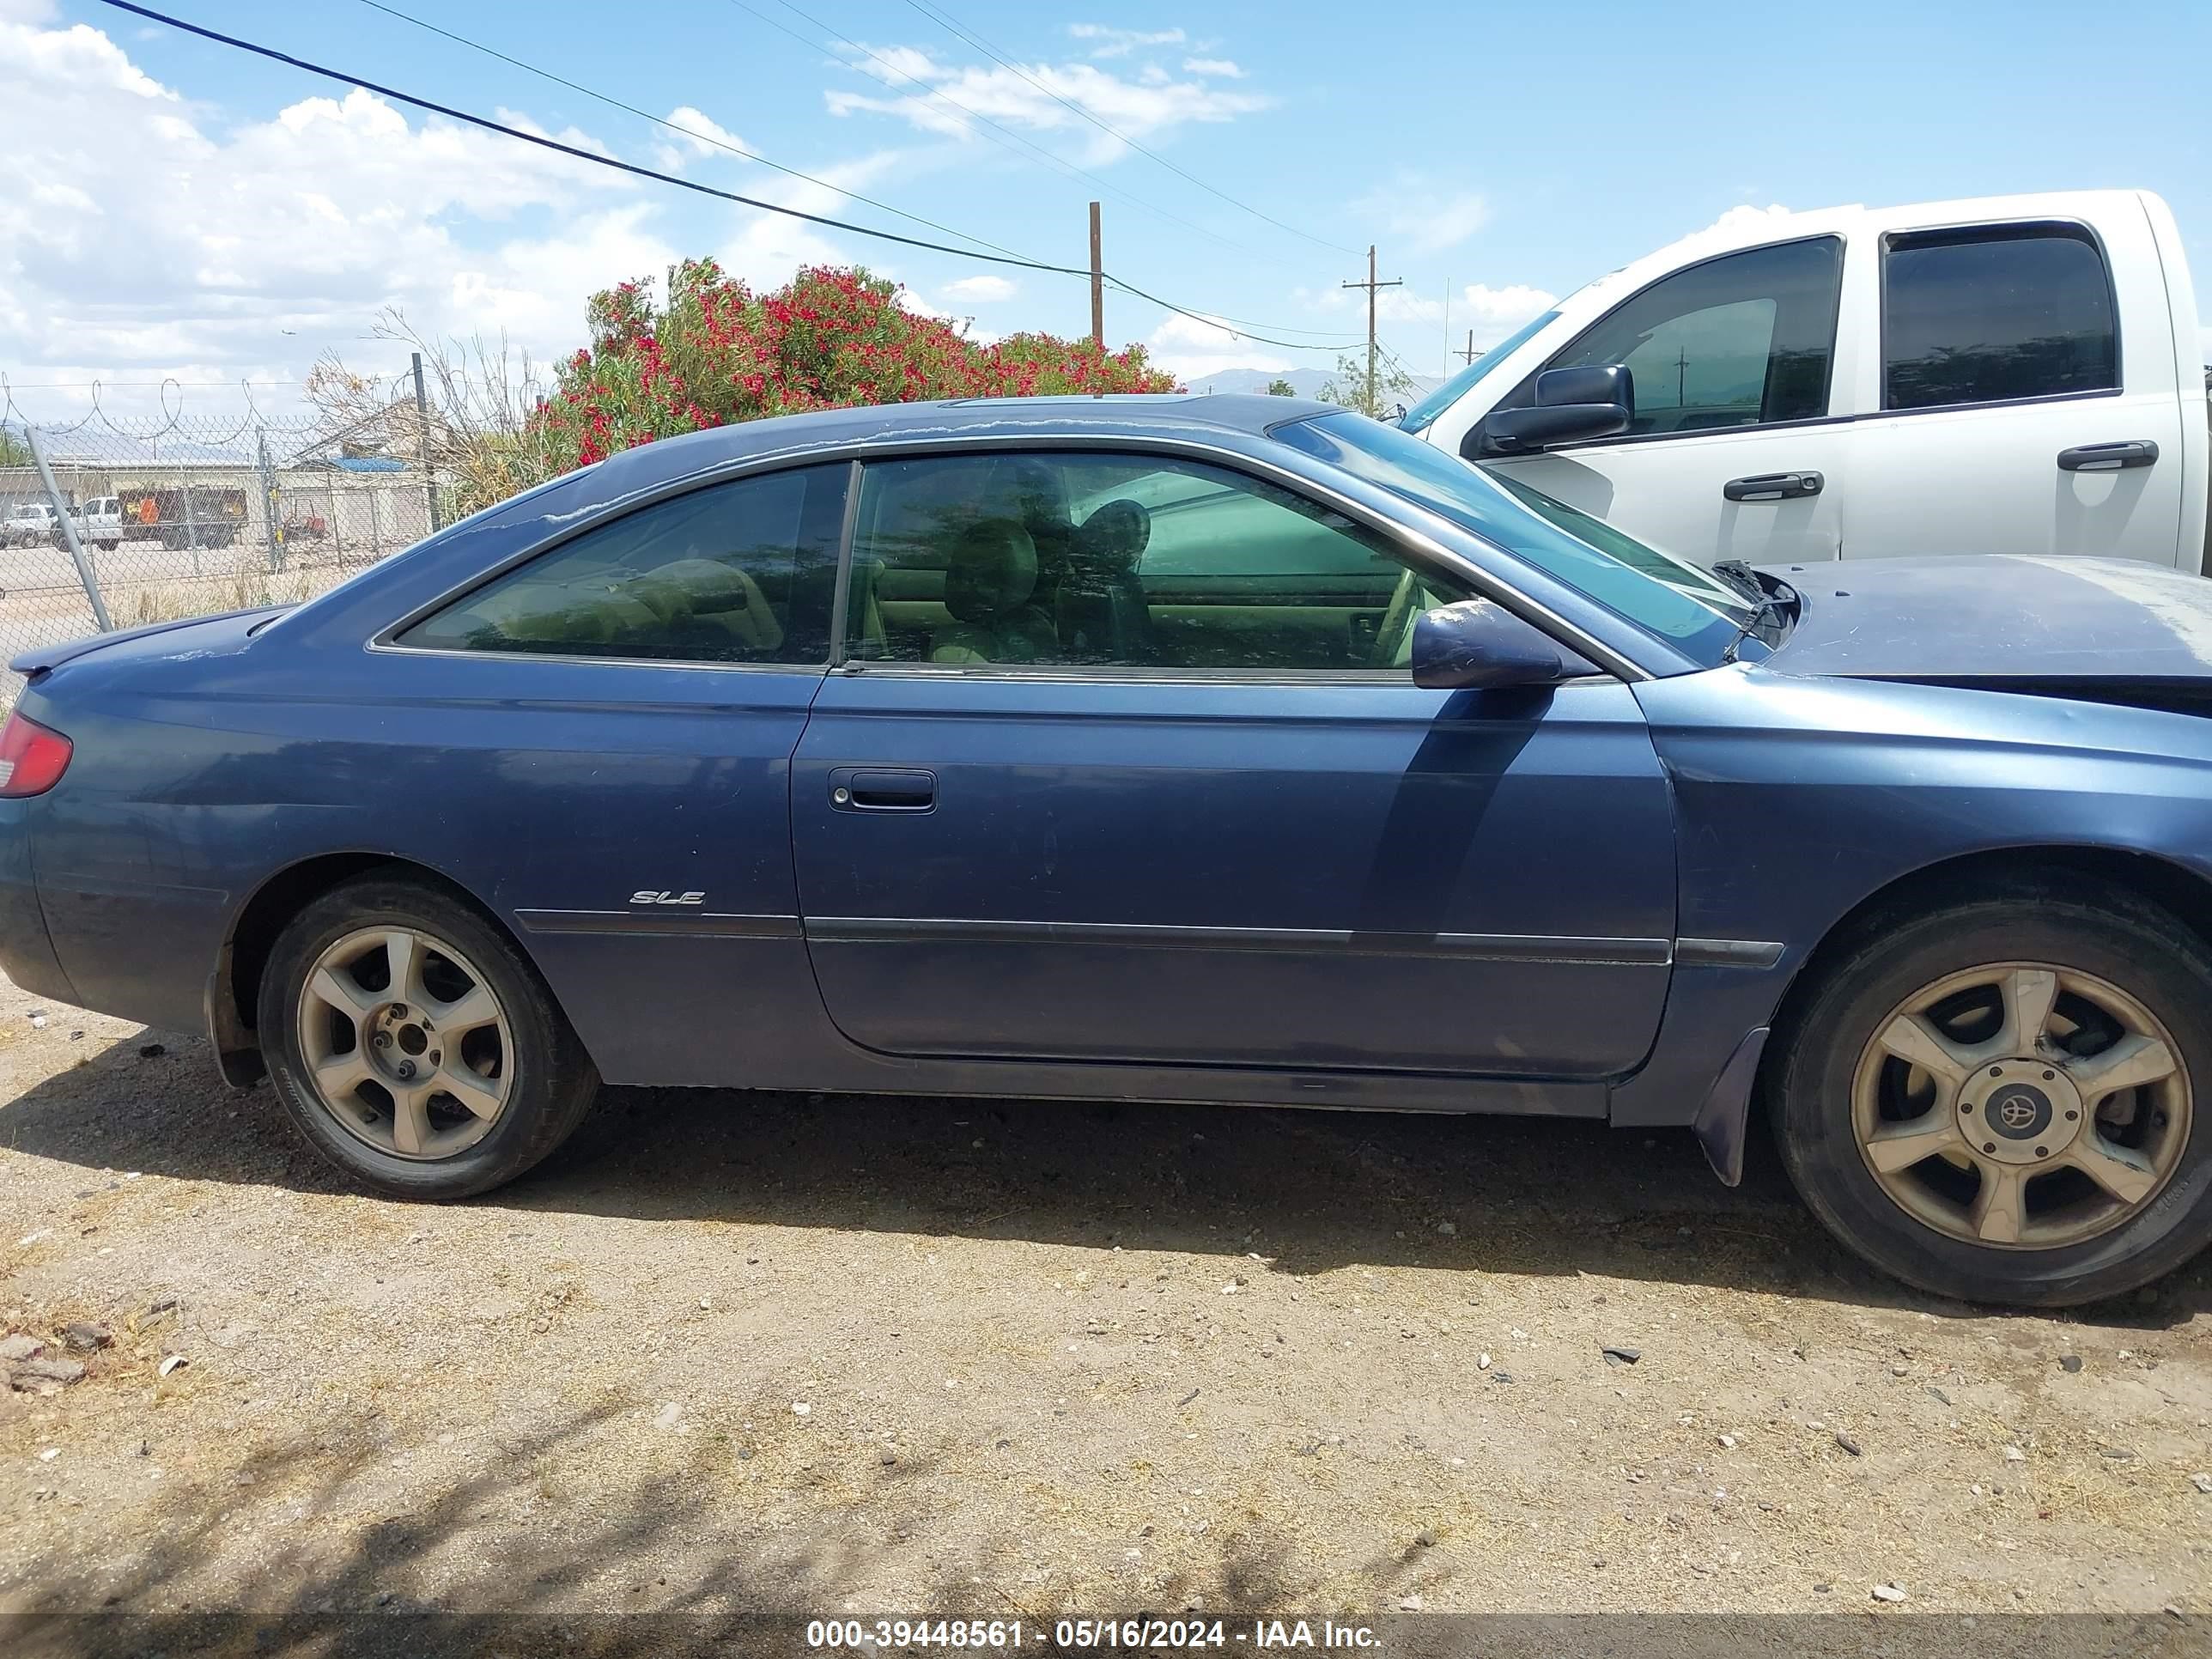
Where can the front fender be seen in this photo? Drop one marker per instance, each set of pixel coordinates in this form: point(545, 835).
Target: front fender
point(1797, 801)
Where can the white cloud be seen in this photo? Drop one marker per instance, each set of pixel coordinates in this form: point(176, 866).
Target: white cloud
point(1031, 97)
point(1745, 216)
point(1492, 312)
point(1192, 347)
point(1732, 226)
point(1495, 313)
point(1417, 212)
point(979, 289)
point(161, 241)
point(705, 136)
point(1108, 42)
point(149, 236)
point(1221, 66)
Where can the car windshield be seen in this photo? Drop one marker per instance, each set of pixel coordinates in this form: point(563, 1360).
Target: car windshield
point(1423, 414)
point(1675, 600)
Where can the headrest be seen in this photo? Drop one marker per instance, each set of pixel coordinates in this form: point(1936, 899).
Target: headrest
point(1032, 492)
point(1112, 540)
point(991, 572)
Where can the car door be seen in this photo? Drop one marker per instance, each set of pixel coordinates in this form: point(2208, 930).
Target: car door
point(2010, 412)
point(1730, 454)
point(1126, 766)
point(614, 720)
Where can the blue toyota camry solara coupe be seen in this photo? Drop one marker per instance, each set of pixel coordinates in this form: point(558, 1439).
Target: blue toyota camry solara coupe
point(1221, 749)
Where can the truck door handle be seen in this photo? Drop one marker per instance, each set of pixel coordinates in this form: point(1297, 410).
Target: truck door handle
point(1773, 487)
point(881, 789)
point(2107, 458)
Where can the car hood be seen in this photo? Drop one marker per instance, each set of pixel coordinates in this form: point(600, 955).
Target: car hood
point(2003, 622)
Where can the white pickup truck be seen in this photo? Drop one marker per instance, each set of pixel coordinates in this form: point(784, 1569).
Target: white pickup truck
point(2015, 374)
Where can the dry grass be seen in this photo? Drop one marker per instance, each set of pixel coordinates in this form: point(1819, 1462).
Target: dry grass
point(242, 589)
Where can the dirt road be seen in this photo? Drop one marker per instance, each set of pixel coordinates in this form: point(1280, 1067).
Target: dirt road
point(821, 1356)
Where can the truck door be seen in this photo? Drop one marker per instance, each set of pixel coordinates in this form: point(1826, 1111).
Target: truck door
point(1732, 454)
point(2024, 399)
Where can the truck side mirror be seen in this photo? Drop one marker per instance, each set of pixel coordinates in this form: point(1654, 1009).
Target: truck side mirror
point(1572, 406)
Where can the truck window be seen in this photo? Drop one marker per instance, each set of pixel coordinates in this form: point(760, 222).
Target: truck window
point(1995, 313)
point(1742, 340)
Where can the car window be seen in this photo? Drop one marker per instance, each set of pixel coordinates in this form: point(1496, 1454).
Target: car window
point(1986, 315)
point(1742, 340)
point(1640, 585)
point(1118, 561)
point(739, 572)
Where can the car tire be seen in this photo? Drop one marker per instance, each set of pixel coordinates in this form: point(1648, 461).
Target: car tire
point(1835, 1072)
point(529, 1052)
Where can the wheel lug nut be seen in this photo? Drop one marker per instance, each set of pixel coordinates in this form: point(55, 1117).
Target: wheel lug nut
point(1988, 1146)
point(406, 1068)
point(399, 1011)
point(2042, 1152)
point(2071, 1116)
point(2047, 1076)
point(1967, 1110)
point(1996, 1071)
point(382, 1039)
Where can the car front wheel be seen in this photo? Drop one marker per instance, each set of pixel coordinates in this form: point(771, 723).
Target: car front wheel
point(414, 1046)
point(1997, 1100)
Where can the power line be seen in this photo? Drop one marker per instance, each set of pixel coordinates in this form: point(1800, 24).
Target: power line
point(542, 142)
point(1221, 323)
point(1037, 153)
point(699, 137)
point(946, 21)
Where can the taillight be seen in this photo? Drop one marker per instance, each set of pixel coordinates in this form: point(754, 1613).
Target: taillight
point(32, 759)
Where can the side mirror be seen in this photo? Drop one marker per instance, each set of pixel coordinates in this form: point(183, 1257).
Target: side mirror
point(1478, 645)
point(1572, 406)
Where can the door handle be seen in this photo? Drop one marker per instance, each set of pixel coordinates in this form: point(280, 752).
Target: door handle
point(2108, 458)
point(882, 789)
point(1773, 487)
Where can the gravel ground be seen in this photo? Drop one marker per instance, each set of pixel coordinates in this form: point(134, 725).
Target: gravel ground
point(820, 1356)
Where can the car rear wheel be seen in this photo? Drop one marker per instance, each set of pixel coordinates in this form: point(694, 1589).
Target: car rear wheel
point(414, 1046)
point(1999, 1101)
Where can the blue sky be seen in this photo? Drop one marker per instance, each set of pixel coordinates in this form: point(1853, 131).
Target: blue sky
point(198, 213)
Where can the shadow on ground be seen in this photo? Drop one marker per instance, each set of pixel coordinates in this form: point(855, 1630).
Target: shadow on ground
point(1306, 1191)
point(514, 1558)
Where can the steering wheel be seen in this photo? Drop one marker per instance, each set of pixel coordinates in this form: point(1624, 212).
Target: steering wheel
point(1397, 621)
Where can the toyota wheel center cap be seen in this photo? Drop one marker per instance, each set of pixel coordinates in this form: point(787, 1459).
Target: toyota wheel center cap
point(2021, 1111)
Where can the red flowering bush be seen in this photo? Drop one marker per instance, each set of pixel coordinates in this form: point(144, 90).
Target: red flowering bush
point(716, 353)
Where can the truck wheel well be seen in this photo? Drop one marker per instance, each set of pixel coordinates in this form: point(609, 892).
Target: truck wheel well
point(2179, 892)
point(246, 954)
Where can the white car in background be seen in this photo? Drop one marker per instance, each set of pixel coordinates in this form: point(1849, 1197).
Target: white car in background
point(29, 523)
point(2014, 374)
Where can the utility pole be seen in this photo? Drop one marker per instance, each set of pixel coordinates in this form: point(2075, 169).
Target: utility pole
point(1097, 286)
point(1470, 353)
point(1370, 285)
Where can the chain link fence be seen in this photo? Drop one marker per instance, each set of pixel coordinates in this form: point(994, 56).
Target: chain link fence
point(108, 521)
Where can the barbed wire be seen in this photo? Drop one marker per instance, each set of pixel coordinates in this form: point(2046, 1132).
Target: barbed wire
point(185, 504)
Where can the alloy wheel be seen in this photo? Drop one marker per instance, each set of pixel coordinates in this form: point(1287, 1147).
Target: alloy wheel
point(405, 1044)
point(2021, 1105)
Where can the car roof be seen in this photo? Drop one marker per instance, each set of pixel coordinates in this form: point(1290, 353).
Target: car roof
point(1163, 415)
